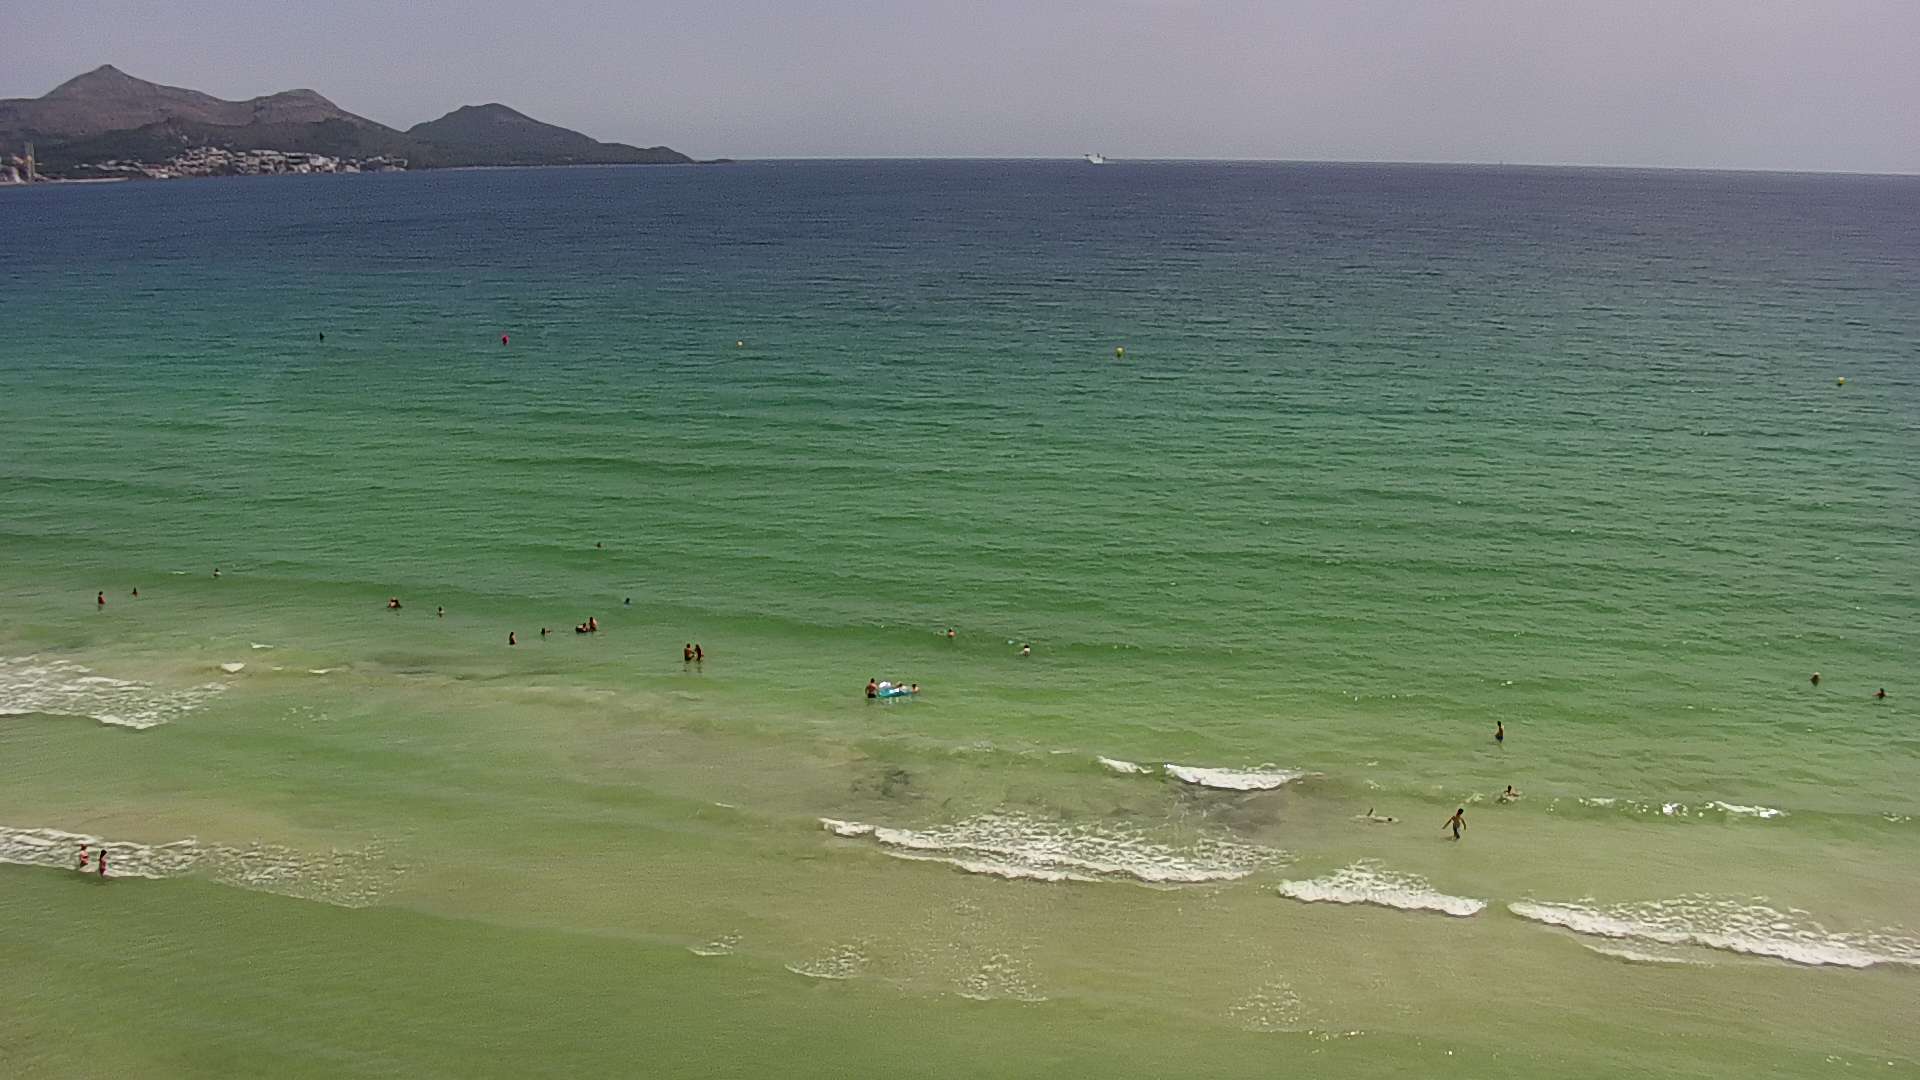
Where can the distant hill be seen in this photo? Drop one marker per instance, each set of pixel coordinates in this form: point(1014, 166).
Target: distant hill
point(107, 114)
point(496, 135)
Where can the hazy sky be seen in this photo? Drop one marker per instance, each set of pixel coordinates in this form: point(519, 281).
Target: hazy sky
point(1821, 84)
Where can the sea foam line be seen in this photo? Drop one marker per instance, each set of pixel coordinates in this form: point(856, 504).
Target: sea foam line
point(1749, 927)
point(29, 684)
point(1366, 882)
point(343, 878)
point(1018, 847)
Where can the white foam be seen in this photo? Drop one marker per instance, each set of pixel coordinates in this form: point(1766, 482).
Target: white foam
point(29, 684)
point(234, 668)
point(1366, 883)
point(257, 645)
point(341, 878)
point(1018, 847)
point(322, 670)
point(1124, 768)
point(836, 962)
point(1646, 955)
point(1263, 778)
point(845, 828)
point(1749, 927)
point(720, 946)
point(1748, 811)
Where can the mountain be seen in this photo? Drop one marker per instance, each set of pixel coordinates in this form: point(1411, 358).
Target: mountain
point(107, 114)
point(495, 134)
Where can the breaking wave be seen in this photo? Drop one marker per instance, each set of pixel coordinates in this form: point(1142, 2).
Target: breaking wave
point(1367, 883)
point(29, 684)
point(342, 878)
point(1263, 778)
point(1017, 847)
point(1750, 927)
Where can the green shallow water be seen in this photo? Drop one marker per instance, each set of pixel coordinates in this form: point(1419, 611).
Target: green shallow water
point(1392, 454)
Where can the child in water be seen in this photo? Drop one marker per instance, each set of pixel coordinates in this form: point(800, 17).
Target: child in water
point(1457, 822)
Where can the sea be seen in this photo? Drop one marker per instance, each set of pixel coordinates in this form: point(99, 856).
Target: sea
point(1220, 511)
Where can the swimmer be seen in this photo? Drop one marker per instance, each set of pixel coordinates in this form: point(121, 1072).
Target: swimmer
point(1026, 650)
point(580, 628)
point(100, 864)
point(699, 654)
point(511, 639)
point(1457, 822)
point(100, 598)
point(543, 631)
point(440, 612)
point(1880, 694)
point(597, 547)
point(1509, 795)
point(1379, 820)
point(83, 858)
point(216, 571)
point(393, 603)
point(1499, 732)
point(323, 335)
point(503, 339)
point(628, 601)
point(686, 653)
point(1816, 679)
point(914, 689)
point(136, 593)
point(950, 634)
point(873, 691)
point(593, 625)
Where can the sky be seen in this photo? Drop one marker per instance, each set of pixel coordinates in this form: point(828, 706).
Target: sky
point(1752, 84)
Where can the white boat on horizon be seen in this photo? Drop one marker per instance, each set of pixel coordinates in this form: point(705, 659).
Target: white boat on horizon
point(1096, 159)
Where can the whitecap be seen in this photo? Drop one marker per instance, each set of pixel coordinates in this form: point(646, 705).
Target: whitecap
point(1731, 925)
point(1737, 810)
point(234, 668)
point(1642, 955)
point(1124, 768)
point(29, 684)
point(845, 828)
point(257, 645)
point(341, 878)
point(1264, 778)
point(1366, 883)
point(1018, 847)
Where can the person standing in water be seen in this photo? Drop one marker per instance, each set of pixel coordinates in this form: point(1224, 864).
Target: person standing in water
point(950, 634)
point(1499, 732)
point(101, 863)
point(83, 858)
point(873, 691)
point(686, 653)
point(100, 599)
point(1816, 679)
point(1457, 822)
point(699, 654)
point(440, 612)
point(512, 639)
point(1880, 694)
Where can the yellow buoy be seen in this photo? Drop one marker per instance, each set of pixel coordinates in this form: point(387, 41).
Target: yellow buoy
point(1119, 351)
point(1841, 381)
point(739, 344)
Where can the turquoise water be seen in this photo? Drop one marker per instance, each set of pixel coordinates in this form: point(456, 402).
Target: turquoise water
point(1391, 454)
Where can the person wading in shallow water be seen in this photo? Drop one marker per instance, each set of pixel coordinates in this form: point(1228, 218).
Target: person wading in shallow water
point(1499, 732)
point(1457, 822)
